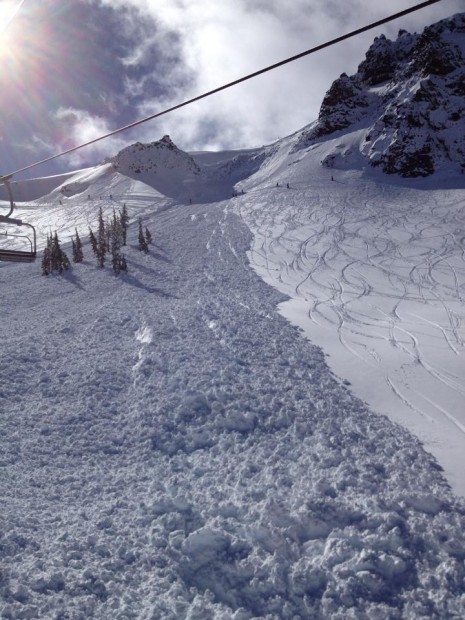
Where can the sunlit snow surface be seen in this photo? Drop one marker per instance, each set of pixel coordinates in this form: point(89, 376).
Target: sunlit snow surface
point(173, 448)
point(376, 273)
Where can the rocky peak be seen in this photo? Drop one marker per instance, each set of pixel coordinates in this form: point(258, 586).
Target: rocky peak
point(154, 157)
point(379, 64)
point(342, 105)
point(408, 93)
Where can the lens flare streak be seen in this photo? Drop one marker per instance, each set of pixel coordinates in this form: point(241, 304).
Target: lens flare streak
point(8, 13)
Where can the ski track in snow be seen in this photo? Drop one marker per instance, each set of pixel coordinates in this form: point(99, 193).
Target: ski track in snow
point(383, 278)
point(172, 448)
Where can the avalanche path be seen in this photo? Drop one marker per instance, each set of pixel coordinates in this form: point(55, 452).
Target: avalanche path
point(172, 448)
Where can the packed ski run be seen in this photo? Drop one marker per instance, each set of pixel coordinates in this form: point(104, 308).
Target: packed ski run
point(174, 448)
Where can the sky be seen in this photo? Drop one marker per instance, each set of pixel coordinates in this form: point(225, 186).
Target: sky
point(73, 70)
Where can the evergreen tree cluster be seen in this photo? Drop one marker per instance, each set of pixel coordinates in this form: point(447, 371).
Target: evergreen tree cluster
point(54, 258)
point(111, 236)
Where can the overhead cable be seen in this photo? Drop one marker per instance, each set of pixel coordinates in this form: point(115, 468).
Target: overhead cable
point(317, 48)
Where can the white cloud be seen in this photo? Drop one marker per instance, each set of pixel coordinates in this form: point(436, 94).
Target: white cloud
point(78, 127)
point(221, 41)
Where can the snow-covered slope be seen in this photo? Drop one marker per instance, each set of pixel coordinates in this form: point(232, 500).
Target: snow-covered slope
point(173, 448)
point(408, 96)
point(30, 189)
point(376, 276)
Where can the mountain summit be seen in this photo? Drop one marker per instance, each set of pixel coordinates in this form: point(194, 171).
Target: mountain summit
point(156, 157)
point(408, 97)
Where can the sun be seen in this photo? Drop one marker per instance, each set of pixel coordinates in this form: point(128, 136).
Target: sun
point(8, 10)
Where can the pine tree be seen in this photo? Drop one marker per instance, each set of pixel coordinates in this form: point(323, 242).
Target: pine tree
point(46, 262)
point(54, 258)
point(118, 234)
point(124, 219)
point(101, 240)
point(78, 255)
point(93, 241)
point(62, 260)
point(116, 241)
point(148, 236)
point(143, 247)
point(115, 248)
point(46, 258)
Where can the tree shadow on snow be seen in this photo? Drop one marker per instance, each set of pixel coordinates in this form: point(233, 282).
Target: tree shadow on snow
point(133, 281)
point(161, 257)
point(158, 255)
point(72, 278)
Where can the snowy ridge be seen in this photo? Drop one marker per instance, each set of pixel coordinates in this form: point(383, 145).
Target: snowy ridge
point(31, 189)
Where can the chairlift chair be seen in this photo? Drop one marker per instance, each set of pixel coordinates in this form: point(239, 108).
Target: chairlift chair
point(30, 240)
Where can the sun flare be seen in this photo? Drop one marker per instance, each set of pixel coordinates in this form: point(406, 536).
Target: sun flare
point(8, 9)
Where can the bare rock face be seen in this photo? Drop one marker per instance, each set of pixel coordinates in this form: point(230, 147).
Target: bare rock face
point(408, 95)
point(344, 104)
point(380, 62)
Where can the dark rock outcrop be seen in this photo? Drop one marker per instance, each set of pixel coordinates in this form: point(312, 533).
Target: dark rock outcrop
point(408, 96)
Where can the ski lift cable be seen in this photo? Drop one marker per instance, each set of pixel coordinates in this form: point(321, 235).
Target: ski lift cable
point(317, 48)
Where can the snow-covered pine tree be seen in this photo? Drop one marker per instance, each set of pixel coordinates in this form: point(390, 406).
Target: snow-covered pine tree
point(124, 219)
point(108, 233)
point(46, 261)
point(148, 236)
point(46, 257)
point(101, 240)
point(64, 261)
point(116, 240)
point(93, 241)
point(117, 230)
point(143, 247)
point(54, 258)
point(78, 255)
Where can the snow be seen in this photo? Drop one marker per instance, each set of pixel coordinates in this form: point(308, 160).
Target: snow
point(172, 447)
point(32, 189)
point(376, 275)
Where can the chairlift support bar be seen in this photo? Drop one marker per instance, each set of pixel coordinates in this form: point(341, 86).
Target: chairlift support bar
point(17, 255)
